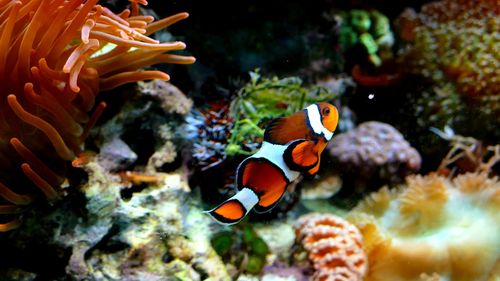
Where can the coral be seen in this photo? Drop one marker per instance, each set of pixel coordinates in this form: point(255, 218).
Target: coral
point(171, 98)
point(454, 45)
point(280, 237)
point(433, 226)
point(466, 154)
point(282, 272)
point(208, 129)
point(457, 41)
point(322, 188)
point(370, 29)
point(242, 248)
point(55, 56)
point(374, 151)
point(335, 247)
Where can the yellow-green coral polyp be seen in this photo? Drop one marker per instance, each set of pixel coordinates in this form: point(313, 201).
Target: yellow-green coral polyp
point(54, 59)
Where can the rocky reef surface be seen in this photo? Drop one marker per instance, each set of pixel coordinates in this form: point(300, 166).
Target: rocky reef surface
point(153, 233)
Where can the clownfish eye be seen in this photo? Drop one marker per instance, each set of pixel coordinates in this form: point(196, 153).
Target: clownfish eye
point(326, 111)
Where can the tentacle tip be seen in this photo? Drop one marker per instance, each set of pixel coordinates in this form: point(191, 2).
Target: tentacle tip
point(34, 69)
point(11, 98)
point(28, 86)
point(181, 45)
point(14, 141)
point(75, 89)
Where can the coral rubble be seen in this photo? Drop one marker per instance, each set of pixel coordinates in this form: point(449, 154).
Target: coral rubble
point(55, 56)
point(445, 229)
point(374, 151)
point(335, 247)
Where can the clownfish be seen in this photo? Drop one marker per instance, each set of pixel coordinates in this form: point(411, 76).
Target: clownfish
point(291, 145)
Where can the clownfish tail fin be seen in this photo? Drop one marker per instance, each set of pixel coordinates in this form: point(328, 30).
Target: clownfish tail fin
point(235, 208)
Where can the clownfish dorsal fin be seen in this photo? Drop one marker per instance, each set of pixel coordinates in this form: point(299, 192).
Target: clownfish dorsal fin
point(235, 208)
point(301, 155)
point(285, 129)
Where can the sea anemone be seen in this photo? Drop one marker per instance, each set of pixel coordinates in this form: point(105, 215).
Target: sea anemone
point(55, 56)
point(434, 228)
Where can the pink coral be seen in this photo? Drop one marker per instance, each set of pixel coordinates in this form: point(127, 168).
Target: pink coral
point(374, 153)
point(334, 245)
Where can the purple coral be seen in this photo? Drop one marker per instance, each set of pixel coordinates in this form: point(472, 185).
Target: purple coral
point(374, 151)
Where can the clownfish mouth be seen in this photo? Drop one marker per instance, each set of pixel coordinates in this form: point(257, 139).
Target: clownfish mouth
point(314, 121)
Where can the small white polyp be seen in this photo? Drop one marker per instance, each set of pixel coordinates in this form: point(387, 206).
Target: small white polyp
point(314, 117)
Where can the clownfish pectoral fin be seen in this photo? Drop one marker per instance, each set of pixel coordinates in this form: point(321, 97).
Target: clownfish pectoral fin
point(314, 169)
point(301, 155)
point(235, 208)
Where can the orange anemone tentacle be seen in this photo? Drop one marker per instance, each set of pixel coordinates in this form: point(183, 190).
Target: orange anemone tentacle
point(166, 22)
point(28, 156)
point(170, 46)
point(43, 185)
point(61, 116)
point(93, 119)
point(10, 225)
point(132, 76)
point(56, 139)
point(10, 209)
point(13, 197)
point(5, 37)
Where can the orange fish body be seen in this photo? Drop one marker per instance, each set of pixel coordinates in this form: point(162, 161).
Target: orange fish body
point(292, 145)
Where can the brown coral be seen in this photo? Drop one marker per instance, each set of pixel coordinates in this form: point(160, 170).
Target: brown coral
point(334, 246)
point(433, 227)
point(455, 45)
point(55, 56)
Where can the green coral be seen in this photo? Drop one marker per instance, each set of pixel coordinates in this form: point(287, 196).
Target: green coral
point(243, 247)
point(263, 99)
point(371, 29)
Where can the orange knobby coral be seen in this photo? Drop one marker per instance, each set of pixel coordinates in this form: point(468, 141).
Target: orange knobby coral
point(335, 247)
point(55, 56)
